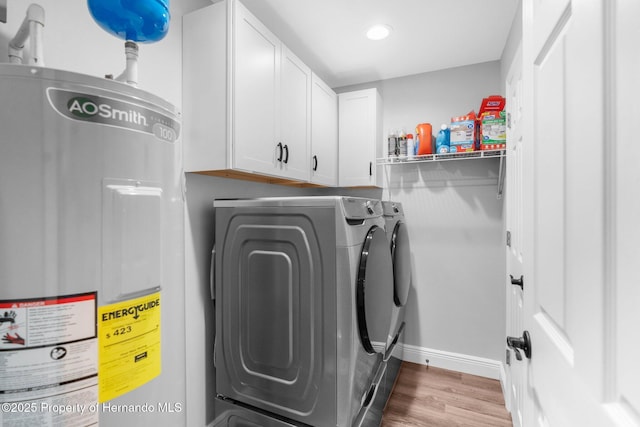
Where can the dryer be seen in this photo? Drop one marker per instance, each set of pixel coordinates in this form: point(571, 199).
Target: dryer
point(400, 251)
point(295, 283)
point(396, 229)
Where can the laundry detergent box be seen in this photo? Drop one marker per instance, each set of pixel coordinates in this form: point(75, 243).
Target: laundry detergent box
point(492, 123)
point(493, 131)
point(462, 134)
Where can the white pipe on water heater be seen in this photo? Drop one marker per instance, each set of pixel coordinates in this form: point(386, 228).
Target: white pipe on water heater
point(31, 29)
point(130, 73)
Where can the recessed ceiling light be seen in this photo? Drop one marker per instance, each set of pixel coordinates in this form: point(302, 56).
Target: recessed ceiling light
point(378, 32)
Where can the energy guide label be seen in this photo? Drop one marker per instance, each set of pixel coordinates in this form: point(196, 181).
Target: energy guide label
point(129, 345)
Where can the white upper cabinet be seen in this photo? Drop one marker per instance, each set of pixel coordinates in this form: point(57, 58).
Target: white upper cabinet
point(360, 130)
point(324, 133)
point(255, 94)
point(206, 115)
point(246, 97)
point(295, 115)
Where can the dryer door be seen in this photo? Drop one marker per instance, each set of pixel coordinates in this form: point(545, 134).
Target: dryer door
point(401, 254)
point(374, 285)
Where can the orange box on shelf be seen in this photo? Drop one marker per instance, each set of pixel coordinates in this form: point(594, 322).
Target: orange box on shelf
point(492, 103)
point(462, 136)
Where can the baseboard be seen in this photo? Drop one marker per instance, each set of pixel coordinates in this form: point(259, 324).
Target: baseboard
point(505, 390)
point(473, 365)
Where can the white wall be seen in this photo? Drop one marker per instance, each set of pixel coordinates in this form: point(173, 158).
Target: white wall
point(454, 217)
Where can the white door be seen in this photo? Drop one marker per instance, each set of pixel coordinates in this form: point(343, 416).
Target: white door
point(581, 204)
point(295, 117)
point(624, 172)
point(516, 372)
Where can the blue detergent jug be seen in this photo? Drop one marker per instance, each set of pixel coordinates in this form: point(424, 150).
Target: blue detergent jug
point(143, 21)
point(442, 140)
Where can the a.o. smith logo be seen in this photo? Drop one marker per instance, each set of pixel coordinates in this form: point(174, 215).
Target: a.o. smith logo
point(113, 112)
point(85, 108)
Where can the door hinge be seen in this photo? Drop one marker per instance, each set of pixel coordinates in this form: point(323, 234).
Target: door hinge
point(508, 238)
point(507, 357)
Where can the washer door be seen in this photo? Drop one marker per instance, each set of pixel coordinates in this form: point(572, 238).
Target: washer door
point(401, 255)
point(374, 290)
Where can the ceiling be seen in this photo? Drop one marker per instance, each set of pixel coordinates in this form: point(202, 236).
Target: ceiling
point(428, 35)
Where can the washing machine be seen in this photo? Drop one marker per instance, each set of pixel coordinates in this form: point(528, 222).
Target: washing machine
point(400, 249)
point(296, 283)
point(398, 236)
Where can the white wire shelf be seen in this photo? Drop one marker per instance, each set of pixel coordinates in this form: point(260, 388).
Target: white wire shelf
point(484, 154)
point(441, 157)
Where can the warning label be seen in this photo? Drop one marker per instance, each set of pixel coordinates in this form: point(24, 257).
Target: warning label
point(48, 357)
point(129, 345)
point(47, 321)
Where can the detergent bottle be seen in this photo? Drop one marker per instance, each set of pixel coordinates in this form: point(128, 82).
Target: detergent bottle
point(423, 133)
point(442, 140)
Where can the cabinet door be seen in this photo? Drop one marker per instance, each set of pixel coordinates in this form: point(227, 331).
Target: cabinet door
point(204, 90)
point(256, 88)
point(324, 133)
point(295, 120)
point(357, 138)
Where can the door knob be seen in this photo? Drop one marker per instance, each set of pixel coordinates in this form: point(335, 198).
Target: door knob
point(517, 282)
point(520, 343)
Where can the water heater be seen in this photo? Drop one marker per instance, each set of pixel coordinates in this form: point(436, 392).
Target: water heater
point(91, 252)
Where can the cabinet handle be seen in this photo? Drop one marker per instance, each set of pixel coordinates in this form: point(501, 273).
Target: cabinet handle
point(280, 147)
point(370, 168)
point(315, 163)
point(286, 150)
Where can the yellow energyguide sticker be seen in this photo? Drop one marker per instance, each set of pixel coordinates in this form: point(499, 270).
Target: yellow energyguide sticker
point(129, 345)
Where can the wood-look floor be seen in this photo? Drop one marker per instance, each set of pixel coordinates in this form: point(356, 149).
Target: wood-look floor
point(428, 396)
